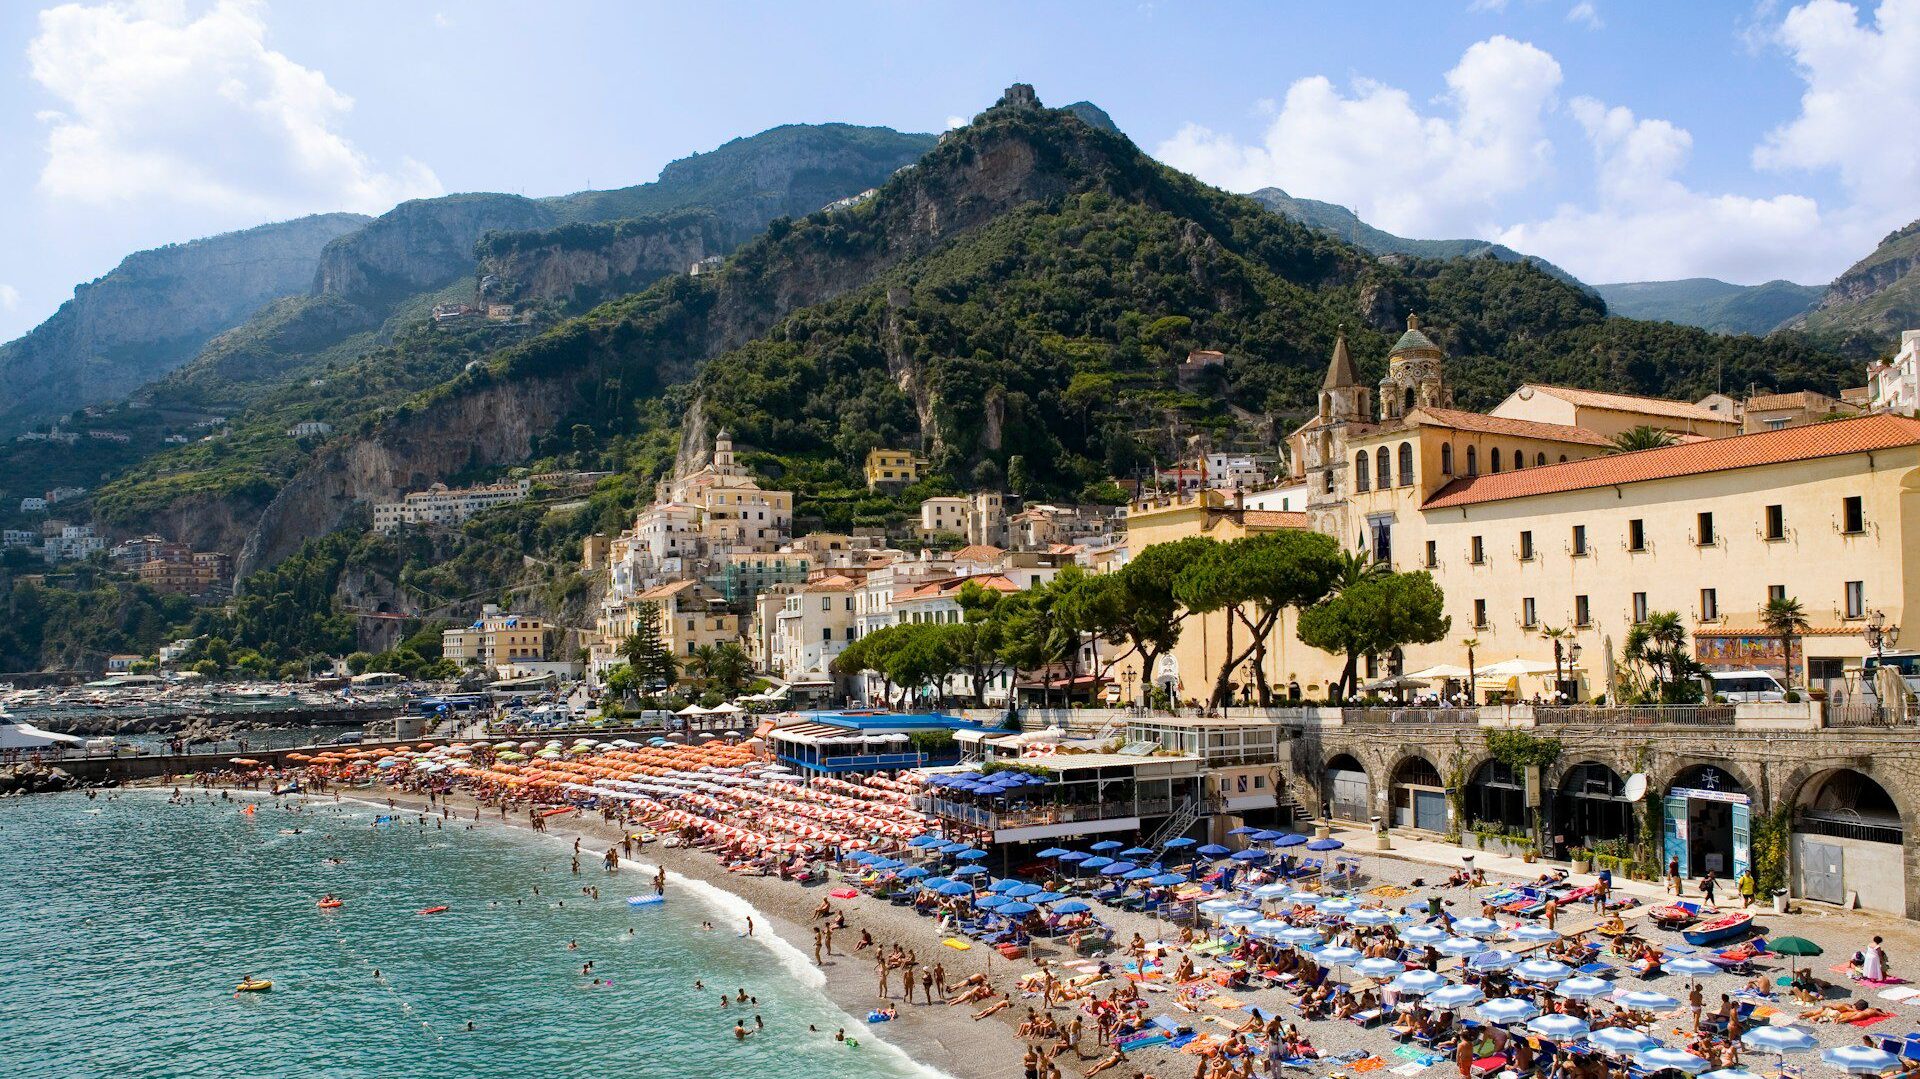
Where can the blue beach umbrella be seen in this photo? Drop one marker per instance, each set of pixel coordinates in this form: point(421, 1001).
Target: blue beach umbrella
point(1418, 983)
point(914, 873)
point(1460, 946)
point(1272, 891)
point(1663, 1058)
point(1558, 1027)
point(1300, 936)
point(971, 855)
point(1106, 844)
point(1584, 988)
point(1249, 855)
point(863, 857)
point(954, 887)
point(1537, 934)
point(1216, 907)
point(1337, 955)
point(1779, 1040)
point(1691, 966)
point(1270, 927)
point(1543, 970)
point(971, 871)
point(1114, 869)
point(1073, 856)
point(1004, 884)
point(1476, 927)
point(1166, 880)
point(1240, 917)
point(1325, 844)
point(1622, 1040)
point(1054, 852)
point(1860, 1059)
point(1047, 897)
point(1142, 873)
point(1071, 906)
point(1025, 891)
point(1180, 841)
point(1371, 916)
point(1245, 829)
point(1136, 852)
point(991, 902)
point(1455, 996)
point(953, 848)
point(1265, 836)
point(1306, 899)
point(1014, 908)
point(1730, 1073)
point(1379, 967)
point(1338, 906)
point(1213, 850)
point(1646, 1002)
point(1423, 934)
point(925, 841)
point(1508, 1010)
point(935, 882)
point(1096, 862)
point(1497, 959)
point(1291, 839)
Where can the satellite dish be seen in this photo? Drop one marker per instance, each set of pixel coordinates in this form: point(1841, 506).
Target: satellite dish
point(1635, 788)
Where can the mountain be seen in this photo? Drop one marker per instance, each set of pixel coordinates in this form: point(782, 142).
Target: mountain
point(1338, 221)
point(1093, 115)
point(154, 310)
point(1712, 304)
point(1877, 297)
point(1017, 306)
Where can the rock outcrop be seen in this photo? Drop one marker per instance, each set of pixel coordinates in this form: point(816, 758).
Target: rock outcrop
point(153, 312)
point(18, 779)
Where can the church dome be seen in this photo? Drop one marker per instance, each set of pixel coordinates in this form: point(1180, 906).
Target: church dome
point(1413, 341)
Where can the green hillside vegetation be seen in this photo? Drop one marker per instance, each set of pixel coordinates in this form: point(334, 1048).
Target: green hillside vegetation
point(1711, 304)
point(1879, 296)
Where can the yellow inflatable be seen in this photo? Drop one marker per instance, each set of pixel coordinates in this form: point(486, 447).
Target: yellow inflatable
point(253, 986)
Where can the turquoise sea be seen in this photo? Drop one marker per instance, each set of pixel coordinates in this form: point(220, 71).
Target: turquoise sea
point(125, 924)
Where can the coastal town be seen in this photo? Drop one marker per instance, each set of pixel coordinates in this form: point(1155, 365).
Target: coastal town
point(679, 542)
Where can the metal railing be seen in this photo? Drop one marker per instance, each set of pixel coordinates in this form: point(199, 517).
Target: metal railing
point(1649, 715)
point(1024, 816)
point(1866, 715)
point(1412, 717)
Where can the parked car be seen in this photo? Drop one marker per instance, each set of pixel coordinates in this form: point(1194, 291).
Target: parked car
point(1741, 687)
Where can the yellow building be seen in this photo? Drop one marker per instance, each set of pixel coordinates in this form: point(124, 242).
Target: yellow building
point(496, 638)
point(891, 467)
point(691, 616)
point(1609, 414)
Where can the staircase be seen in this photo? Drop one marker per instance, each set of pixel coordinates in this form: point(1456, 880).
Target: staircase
point(1173, 827)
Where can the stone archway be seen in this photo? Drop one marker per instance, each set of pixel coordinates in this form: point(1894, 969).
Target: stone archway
point(1708, 820)
point(1349, 789)
point(1590, 809)
point(1416, 794)
point(1848, 839)
point(1495, 795)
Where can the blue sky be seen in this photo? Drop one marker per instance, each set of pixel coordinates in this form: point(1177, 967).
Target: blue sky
point(1623, 140)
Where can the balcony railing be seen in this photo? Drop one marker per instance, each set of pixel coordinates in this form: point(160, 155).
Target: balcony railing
point(1026, 816)
point(1411, 717)
point(1651, 715)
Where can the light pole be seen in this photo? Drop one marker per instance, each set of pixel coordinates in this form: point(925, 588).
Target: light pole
point(1126, 680)
point(1880, 636)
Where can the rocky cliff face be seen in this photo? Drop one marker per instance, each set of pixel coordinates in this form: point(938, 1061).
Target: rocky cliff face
point(580, 265)
point(1878, 296)
point(1021, 154)
point(153, 311)
point(419, 245)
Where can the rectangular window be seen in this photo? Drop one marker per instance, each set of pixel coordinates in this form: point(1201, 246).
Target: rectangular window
point(1776, 523)
point(1853, 515)
point(826, 603)
point(1477, 552)
point(1856, 599)
point(1528, 616)
point(1579, 541)
point(1639, 607)
point(1480, 614)
point(826, 633)
point(1636, 535)
point(1776, 591)
point(1703, 529)
point(1433, 554)
point(1709, 604)
point(1526, 546)
point(1582, 611)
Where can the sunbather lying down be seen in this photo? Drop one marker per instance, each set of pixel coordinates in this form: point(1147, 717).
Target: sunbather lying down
point(1842, 1012)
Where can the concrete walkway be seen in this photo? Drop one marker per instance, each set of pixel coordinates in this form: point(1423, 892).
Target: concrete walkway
point(1360, 842)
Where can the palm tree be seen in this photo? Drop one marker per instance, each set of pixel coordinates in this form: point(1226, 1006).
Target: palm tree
point(1785, 619)
point(1660, 642)
point(1473, 689)
point(1558, 638)
point(1641, 438)
point(1355, 567)
point(702, 663)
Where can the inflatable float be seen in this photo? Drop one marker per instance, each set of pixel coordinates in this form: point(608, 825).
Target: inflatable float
point(329, 904)
point(645, 900)
point(441, 909)
point(253, 985)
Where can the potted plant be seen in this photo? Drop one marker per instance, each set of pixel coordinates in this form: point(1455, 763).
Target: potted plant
point(1579, 856)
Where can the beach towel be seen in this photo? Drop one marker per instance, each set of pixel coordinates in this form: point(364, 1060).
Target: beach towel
point(1409, 1068)
point(1182, 1041)
point(1225, 1001)
point(1880, 982)
point(1201, 1044)
point(957, 944)
point(1367, 1064)
point(1904, 992)
point(1418, 1055)
point(1143, 1041)
point(844, 893)
point(1869, 1022)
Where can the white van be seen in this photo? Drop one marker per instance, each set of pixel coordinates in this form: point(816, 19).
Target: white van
point(1739, 687)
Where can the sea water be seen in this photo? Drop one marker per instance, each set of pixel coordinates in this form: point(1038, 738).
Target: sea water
point(126, 922)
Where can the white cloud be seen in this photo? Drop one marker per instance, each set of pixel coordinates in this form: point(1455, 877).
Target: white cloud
point(1646, 224)
point(1585, 14)
point(1493, 6)
point(956, 121)
point(1857, 113)
point(1399, 168)
point(157, 103)
point(9, 297)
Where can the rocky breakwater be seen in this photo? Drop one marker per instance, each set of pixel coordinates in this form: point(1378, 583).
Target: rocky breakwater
point(19, 779)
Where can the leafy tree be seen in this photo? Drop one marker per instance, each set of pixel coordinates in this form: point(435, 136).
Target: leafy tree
point(647, 652)
point(1786, 619)
point(1642, 437)
point(1658, 647)
point(1375, 615)
point(1136, 607)
point(1268, 573)
point(357, 662)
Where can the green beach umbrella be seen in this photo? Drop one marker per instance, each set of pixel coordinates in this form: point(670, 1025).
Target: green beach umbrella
point(1794, 947)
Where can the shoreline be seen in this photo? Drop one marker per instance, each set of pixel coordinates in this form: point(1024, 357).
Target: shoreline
point(944, 1042)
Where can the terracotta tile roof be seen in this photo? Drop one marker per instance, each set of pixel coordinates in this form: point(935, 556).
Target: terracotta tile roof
point(1858, 435)
point(1482, 423)
point(934, 589)
point(1628, 402)
point(837, 582)
point(978, 552)
point(1779, 400)
point(1273, 519)
point(668, 589)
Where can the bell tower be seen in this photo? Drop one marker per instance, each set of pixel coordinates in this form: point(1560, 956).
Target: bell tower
point(1416, 375)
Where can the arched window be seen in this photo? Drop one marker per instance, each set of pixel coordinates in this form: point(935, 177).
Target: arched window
point(1494, 461)
point(1383, 468)
point(1563, 458)
point(1406, 464)
point(1541, 458)
point(1519, 460)
point(1446, 459)
point(1473, 461)
point(1361, 480)
point(1410, 400)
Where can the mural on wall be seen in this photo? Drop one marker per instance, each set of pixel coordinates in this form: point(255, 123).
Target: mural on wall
point(1721, 651)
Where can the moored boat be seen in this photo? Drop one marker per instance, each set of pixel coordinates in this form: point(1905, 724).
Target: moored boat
point(1724, 927)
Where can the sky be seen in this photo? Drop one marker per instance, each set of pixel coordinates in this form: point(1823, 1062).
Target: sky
point(1623, 140)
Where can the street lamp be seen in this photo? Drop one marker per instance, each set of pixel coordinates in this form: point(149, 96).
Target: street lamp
point(1573, 657)
point(1126, 680)
point(1880, 636)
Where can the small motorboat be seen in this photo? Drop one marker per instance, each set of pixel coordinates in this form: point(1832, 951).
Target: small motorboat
point(254, 985)
point(441, 909)
point(1724, 927)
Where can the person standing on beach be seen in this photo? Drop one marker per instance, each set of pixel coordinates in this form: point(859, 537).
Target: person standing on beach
point(1673, 876)
point(1707, 884)
point(940, 979)
point(926, 985)
point(661, 882)
point(816, 947)
point(1746, 888)
point(828, 933)
point(884, 970)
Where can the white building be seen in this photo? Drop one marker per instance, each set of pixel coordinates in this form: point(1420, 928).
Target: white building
point(1894, 386)
point(73, 544)
point(1285, 497)
point(438, 505)
point(62, 494)
point(815, 624)
point(33, 504)
point(309, 427)
point(1230, 471)
point(18, 537)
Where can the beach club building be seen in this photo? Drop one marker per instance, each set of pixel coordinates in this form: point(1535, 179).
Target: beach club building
point(832, 743)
